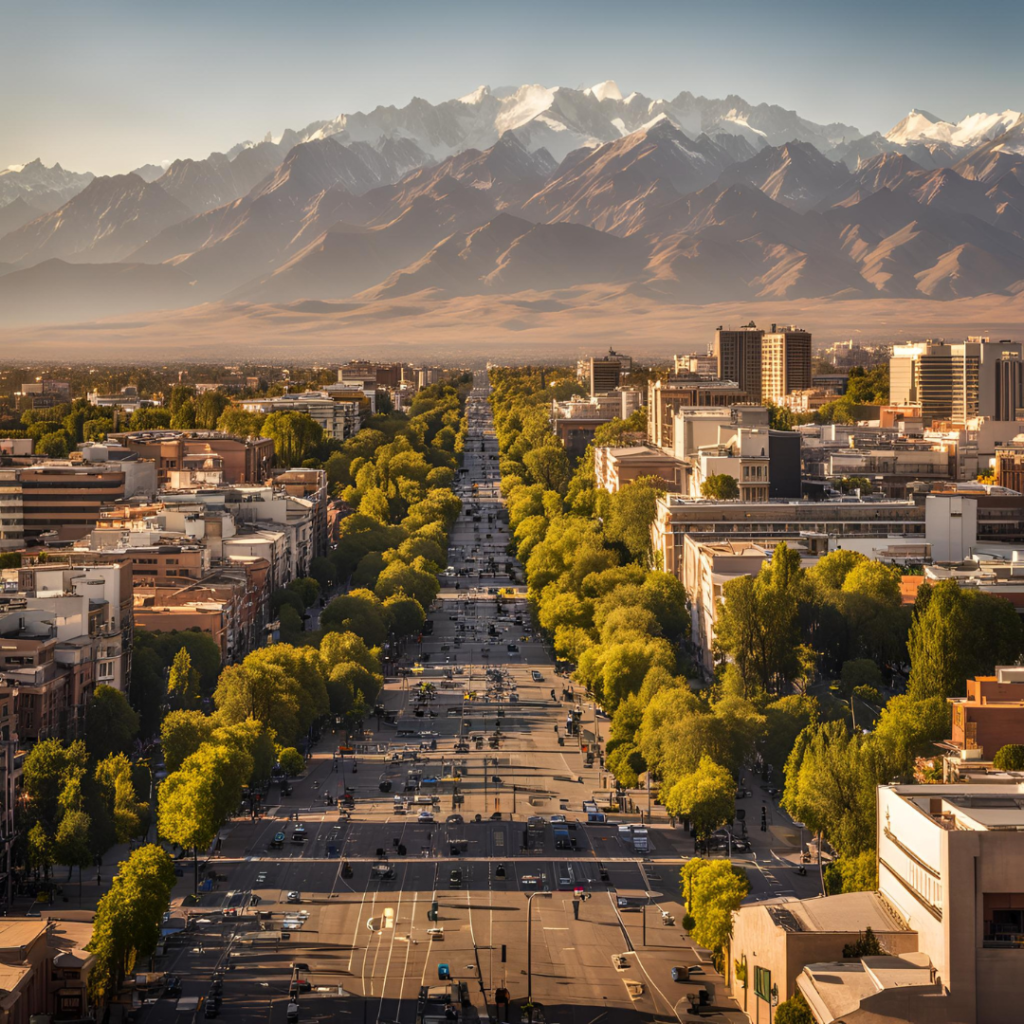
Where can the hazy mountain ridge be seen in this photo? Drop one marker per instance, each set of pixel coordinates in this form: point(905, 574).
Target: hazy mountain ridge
point(361, 208)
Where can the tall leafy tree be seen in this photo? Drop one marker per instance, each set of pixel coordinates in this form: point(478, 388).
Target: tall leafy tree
point(713, 890)
point(183, 680)
point(111, 724)
point(707, 797)
point(127, 923)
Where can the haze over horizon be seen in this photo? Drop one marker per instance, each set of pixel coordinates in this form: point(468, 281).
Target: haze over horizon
point(114, 85)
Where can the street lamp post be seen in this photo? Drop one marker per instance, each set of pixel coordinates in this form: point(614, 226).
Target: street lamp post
point(529, 949)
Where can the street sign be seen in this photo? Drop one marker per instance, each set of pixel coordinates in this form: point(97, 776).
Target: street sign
point(763, 984)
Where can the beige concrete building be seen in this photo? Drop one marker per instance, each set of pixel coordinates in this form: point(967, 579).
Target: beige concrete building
point(666, 397)
point(785, 363)
point(781, 938)
point(951, 899)
point(616, 467)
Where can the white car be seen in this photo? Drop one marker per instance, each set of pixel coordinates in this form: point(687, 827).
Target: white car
point(426, 818)
point(294, 897)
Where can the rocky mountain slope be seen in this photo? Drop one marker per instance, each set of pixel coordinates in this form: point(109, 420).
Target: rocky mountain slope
point(533, 190)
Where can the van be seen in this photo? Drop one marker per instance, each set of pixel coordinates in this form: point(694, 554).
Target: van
point(421, 800)
point(596, 818)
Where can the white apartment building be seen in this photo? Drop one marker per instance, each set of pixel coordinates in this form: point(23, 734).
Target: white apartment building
point(695, 427)
point(743, 456)
point(339, 419)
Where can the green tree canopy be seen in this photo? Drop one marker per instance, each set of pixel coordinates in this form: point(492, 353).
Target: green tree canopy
point(128, 917)
point(1009, 758)
point(721, 487)
point(713, 890)
point(707, 797)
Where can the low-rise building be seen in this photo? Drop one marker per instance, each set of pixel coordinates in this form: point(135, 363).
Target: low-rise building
point(616, 467)
point(708, 565)
point(575, 421)
point(990, 716)
point(44, 969)
point(743, 456)
point(240, 460)
point(311, 485)
point(42, 394)
point(231, 602)
point(774, 941)
point(948, 913)
point(63, 497)
point(666, 397)
point(843, 520)
point(61, 642)
point(702, 365)
point(126, 401)
point(329, 408)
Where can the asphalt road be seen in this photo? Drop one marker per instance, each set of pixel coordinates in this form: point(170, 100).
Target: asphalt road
point(361, 925)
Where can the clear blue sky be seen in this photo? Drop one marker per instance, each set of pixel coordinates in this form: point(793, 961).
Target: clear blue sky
point(105, 85)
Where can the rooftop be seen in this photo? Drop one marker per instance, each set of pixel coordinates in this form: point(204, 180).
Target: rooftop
point(17, 932)
point(849, 912)
point(971, 808)
point(837, 990)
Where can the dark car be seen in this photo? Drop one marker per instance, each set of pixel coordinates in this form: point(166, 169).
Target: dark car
point(455, 879)
point(172, 987)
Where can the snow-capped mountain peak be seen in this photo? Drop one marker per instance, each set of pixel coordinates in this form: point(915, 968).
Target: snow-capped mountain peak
point(477, 96)
point(605, 91)
point(973, 130)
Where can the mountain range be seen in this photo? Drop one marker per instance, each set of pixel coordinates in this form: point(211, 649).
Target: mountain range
point(531, 190)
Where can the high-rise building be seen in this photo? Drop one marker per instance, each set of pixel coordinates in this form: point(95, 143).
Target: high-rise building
point(959, 381)
point(606, 372)
point(785, 362)
point(738, 355)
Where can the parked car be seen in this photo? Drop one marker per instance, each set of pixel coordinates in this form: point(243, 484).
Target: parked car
point(294, 897)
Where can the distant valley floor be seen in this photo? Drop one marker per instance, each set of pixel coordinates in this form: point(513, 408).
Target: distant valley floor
point(518, 328)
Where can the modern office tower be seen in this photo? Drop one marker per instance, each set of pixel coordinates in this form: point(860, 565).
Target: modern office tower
point(738, 355)
point(960, 381)
point(606, 372)
point(785, 362)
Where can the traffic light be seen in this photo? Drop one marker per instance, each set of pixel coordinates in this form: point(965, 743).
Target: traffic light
point(504, 953)
point(764, 819)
